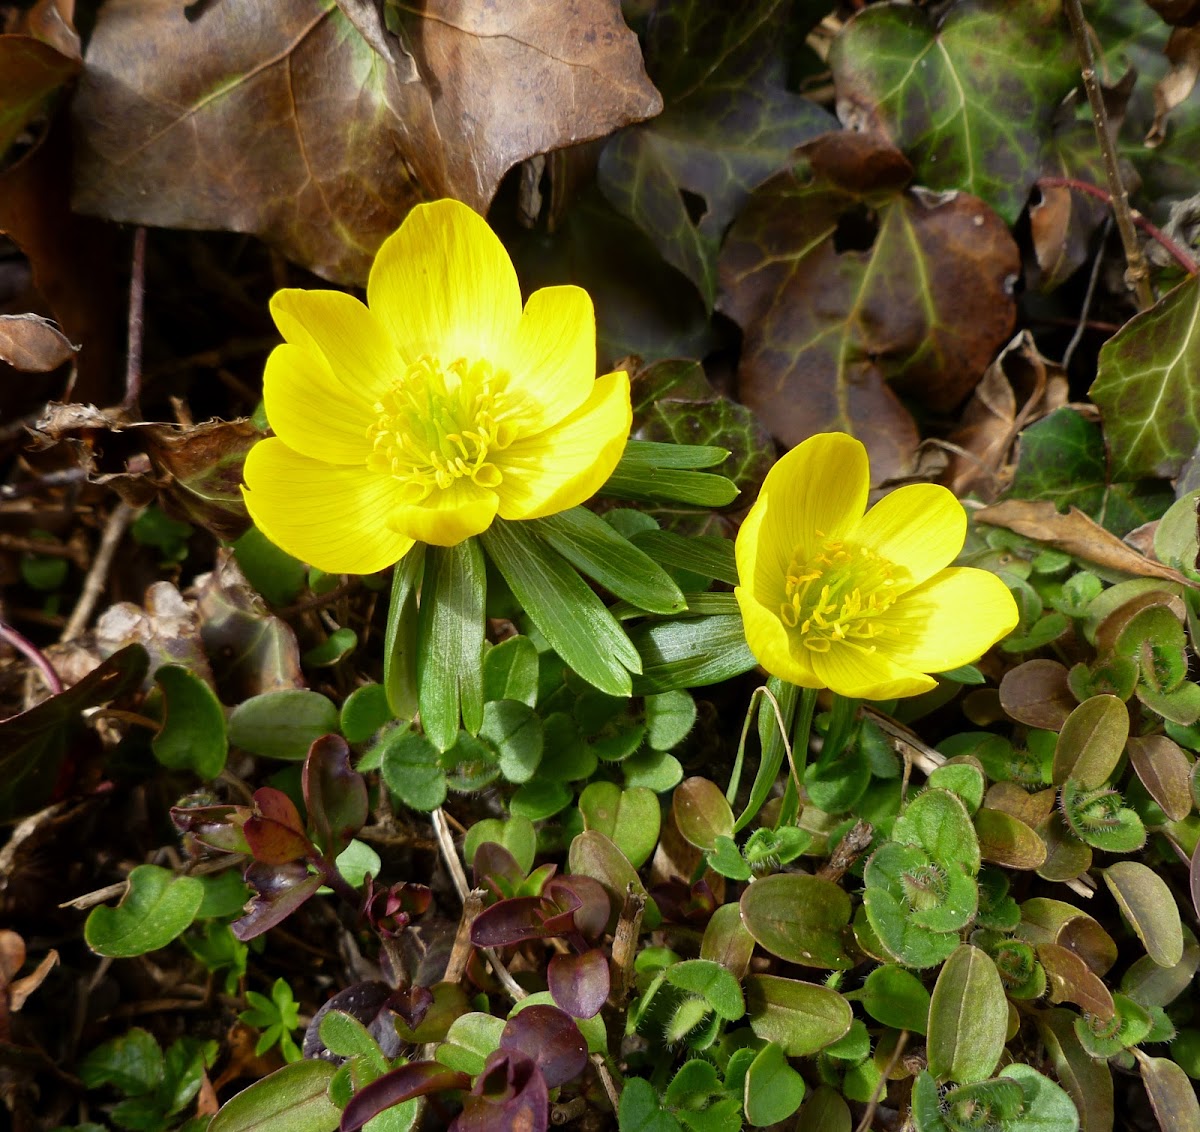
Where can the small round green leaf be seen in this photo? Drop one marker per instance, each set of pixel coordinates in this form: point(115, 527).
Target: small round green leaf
point(412, 771)
point(1147, 903)
point(669, 717)
point(517, 835)
point(192, 736)
point(802, 1017)
point(802, 919)
point(630, 817)
point(156, 908)
point(702, 813)
point(773, 1089)
point(282, 725)
point(1091, 741)
point(515, 730)
point(292, 1099)
point(968, 1018)
point(364, 713)
point(897, 998)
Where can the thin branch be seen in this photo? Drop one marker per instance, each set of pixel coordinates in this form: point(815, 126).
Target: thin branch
point(34, 655)
point(97, 576)
point(137, 321)
point(450, 855)
point(869, 1114)
point(1137, 274)
point(1093, 278)
point(1172, 247)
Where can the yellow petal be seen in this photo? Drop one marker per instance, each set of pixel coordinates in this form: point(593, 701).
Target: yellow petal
point(443, 285)
point(768, 641)
point(311, 411)
point(564, 465)
point(553, 360)
point(953, 619)
point(332, 324)
point(817, 491)
point(332, 517)
point(762, 566)
point(920, 527)
point(851, 670)
point(448, 517)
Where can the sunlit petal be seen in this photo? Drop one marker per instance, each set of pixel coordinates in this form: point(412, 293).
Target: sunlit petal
point(552, 364)
point(854, 671)
point(310, 410)
point(761, 562)
point(361, 355)
point(566, 464)
point(327, 515)
point(953, 619)
point(443, 285)
point(769, 643)
point(920, 527)
point(449, 516)
point(817, 491)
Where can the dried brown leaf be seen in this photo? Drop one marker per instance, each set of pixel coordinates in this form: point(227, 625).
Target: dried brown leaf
point(1183, 53)
point(33, 344)
point(1075, 534)
point(282, 120)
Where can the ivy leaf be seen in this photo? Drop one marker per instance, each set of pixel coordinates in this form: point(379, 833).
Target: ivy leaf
point(848, 287)
point(970, 101)
point(1148, 387)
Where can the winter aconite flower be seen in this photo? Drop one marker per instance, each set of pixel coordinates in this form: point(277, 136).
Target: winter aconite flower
point(437, 406)
point(863, 604)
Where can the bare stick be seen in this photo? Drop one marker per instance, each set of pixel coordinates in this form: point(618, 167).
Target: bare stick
point(624, 948)
point(461, 950)
point(450, 855)
point(34, 655)
point(1137, 274)
point(1089, 295)
point(97, 576)
point(137, 321)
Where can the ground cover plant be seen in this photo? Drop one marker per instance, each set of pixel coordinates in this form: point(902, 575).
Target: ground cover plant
point(599, 565)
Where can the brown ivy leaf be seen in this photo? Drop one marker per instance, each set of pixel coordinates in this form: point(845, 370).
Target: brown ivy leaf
point(283, 121)
point(851, 289)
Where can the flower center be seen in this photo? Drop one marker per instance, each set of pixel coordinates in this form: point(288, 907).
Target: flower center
point(839, 595)
point(439, 424)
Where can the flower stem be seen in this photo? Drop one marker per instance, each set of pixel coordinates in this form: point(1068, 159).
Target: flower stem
point(843, 721)
point(798, 756)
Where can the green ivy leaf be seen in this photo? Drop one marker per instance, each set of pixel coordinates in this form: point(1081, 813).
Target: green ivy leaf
point(155, 909)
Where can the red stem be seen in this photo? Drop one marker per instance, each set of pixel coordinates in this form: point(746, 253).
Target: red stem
point(35, 656)
point(1180, 256)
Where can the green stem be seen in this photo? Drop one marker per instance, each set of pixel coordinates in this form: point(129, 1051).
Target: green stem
point(802, 731)
point(843, 721)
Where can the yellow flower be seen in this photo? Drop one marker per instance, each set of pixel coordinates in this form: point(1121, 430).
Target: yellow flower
point(862, 604)
point(432, 409)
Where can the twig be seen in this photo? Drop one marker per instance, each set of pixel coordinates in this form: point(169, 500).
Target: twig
point(97, 576)
point(1137, 274)
point(1172, 247)
point(624, 948)
point(926, 759)
point(461, 951)
point(869, 1114)
point(137, 321)
point(450, 855)
point(1077, 337)
point(1078, 887)
point(34, 655)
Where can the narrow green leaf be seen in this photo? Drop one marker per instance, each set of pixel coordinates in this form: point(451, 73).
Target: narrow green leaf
point(680, 456)
point(400, 637)
point(192, 736)
point(690, 652)
point(283, 724)
point(570, 615)
point(645, 483)
point(704, 554)
point(510, 671)
point(292, 1099)
point(450, 635)
point(597, 550)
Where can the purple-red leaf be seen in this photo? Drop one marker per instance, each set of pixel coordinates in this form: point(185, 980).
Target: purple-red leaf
point(579, 983)
point(335, 794)
point(416, 1079)
point(511, 921)
point(549, 1036)
point(496, 868)
point(510, 1093)
point(275, 832)
point(593, 907)
point(279, 891)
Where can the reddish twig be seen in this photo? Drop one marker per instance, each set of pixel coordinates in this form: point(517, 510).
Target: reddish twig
point(137, 312)
point(1178, 253)
point(34, 655)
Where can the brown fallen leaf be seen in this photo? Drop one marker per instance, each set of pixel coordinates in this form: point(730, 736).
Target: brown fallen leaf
point(283, 121)
point(1018, 388)
point(33, 344)
point(1183, 53)
point(40, 53)
point(851, 289)
point(1074, 533)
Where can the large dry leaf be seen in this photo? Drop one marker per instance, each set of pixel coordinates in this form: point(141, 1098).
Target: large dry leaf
point(283, 121)
point(851, 287)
